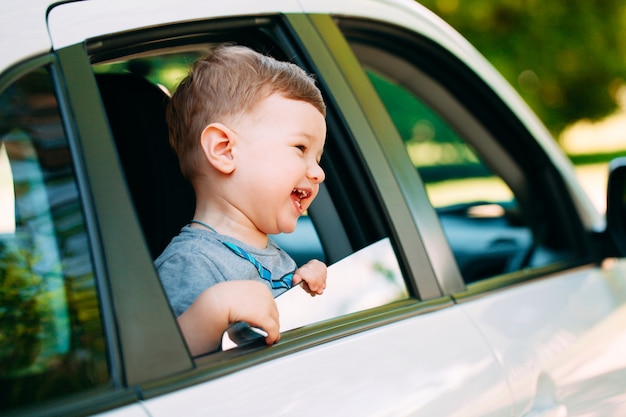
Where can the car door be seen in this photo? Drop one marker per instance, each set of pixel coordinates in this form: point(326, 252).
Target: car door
point(402, 356)
point(550, 306)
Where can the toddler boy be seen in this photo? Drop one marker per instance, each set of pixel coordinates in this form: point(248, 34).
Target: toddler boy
point(249, 132)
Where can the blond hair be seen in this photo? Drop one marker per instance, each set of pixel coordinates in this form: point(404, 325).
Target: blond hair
point(226, 85)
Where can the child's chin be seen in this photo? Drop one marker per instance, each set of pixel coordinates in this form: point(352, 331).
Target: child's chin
point(288, 228)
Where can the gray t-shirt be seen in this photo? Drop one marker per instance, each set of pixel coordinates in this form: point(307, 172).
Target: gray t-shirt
point(197, 259)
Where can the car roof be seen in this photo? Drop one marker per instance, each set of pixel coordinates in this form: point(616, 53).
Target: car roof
point(80, 20)
point(23, 31)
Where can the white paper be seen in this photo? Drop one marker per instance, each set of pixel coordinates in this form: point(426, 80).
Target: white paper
point(368, 278)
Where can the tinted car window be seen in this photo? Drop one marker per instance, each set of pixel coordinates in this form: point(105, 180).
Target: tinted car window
point(51, 338)
point(471, 201)
point(451, 169)
point(472, 181)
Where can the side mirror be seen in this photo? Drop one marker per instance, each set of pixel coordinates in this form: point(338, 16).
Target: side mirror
point(616, 204)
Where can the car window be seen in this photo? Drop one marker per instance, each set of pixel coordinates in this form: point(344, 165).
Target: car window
point(321, 234)
point(51, 337)
point(451, 169)
point(481, 193)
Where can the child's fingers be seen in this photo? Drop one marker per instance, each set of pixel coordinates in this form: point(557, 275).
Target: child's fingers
point(269, 323)
point(296, 279)
point(255, 305)
point(313, 287)
point(273, 335)
point(313, 273)
point(305, 285)
point(271, 327)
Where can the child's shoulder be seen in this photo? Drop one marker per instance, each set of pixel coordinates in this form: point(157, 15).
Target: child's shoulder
point(189, 241)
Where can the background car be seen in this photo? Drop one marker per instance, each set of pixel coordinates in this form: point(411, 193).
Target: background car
point(508, 287)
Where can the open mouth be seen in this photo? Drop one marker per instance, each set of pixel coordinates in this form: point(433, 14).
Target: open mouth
point(298, 195)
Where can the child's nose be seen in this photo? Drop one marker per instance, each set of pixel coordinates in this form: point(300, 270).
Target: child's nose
point(316, 173)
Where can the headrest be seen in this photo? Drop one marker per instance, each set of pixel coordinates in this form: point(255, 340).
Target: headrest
point(163, 199)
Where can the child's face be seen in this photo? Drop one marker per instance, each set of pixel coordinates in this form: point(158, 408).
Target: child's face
point(277, 163)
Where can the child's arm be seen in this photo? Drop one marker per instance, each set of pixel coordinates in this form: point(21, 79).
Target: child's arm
point(223, 304)
point(313, 273)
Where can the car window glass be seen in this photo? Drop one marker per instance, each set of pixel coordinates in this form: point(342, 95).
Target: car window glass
point(452, 171)
point(478, 210)
point(51, 337)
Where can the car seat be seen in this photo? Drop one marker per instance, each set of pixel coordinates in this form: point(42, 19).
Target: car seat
point(164, 200)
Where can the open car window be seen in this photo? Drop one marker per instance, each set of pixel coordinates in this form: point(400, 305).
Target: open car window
point(343, 221)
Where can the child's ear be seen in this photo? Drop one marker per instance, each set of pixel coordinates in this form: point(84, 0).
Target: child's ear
point(217, 142)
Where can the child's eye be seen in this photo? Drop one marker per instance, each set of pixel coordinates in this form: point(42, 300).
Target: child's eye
point(301, 147)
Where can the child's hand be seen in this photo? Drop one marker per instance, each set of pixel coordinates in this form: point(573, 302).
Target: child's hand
point(254, 304)
point(313, 273)
point(223, 304)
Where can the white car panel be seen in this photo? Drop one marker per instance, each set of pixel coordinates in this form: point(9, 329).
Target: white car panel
point(16, 43)
point(135, 410)
point(435, 364)
point(74, 22)
point(561, 340)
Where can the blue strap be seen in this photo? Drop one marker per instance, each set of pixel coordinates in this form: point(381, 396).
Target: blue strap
point(283, 282)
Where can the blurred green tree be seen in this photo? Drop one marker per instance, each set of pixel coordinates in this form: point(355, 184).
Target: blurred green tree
point(21, 318)
point(566, 58)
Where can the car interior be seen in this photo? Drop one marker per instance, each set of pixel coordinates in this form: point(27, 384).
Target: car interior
point(163, 198)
